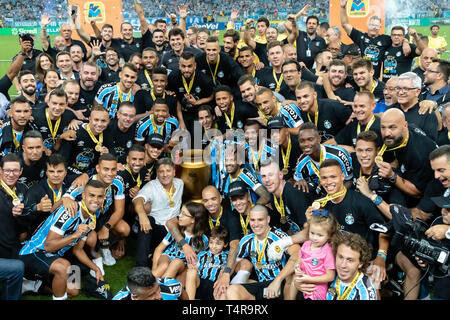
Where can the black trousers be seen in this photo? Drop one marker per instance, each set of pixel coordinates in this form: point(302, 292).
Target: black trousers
point(147, 242)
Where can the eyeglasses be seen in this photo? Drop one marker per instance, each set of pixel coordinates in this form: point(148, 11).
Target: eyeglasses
point(8, 171)
point(433, 71)
point(126, 115)
point(390, 88)
point(185, 215)
point(399, 89)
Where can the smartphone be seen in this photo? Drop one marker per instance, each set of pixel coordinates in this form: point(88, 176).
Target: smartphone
point(323, 68)
point(74, 10)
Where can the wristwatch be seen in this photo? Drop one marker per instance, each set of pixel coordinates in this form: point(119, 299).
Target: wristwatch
point(182, 242)
point(447, 233)
point(108, 226)
point(227, 270)
point(393, 178)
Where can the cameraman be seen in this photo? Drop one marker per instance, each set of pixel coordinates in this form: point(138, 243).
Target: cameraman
point(440, 231)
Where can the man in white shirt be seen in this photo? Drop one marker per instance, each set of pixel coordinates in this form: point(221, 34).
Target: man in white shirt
point(158, 201)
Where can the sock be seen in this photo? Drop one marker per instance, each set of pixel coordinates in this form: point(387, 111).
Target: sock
point(241, 277)
point(64, 297)
point(99, 262)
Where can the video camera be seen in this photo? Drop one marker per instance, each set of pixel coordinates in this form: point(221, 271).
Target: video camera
point(409, 235)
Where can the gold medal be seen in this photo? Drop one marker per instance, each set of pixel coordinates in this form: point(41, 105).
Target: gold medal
point(98, 147)
point(378, 159)
point(315, 205)
point(256, 171)
point(283, 219)
point(16, 202)
point(172, 204)
point(285, 170)
point(258, 264)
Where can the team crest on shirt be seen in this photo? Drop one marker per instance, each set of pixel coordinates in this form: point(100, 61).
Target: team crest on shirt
point(129, 144)
point(314, 262)
point(122, 46)
point(379, 43)
point(137, 45)
point(220, 74)
point(198, 89)
point(402, 168)
point(327, 124)
point(240, 124)
point(41, 175)
point(349, 219)
point(80, 143)
point(43, 129)
point(398, 54)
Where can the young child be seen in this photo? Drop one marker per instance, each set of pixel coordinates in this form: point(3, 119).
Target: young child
point(316, 260)
point(209, 265)
point(168, 258)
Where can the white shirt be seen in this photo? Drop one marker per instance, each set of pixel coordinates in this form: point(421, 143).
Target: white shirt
point(154, 193)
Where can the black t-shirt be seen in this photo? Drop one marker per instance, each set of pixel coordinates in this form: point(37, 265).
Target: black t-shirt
point(372, 48)
point(434, 188)
point(443, 137)
point(427, 122)
point(295, 203)
point(142, 80)
point(33, 173)
point(346, 94)
point(170, 60)
point(7, 139)
point(40, 120)
point(30, 63)
point(108, 75)
point(230, 221)
point(11, 226)
point(293, 158)
point(77, 42)
point(355, 214)
point(81, 154)
point(379, 185)
point(241, 113)
point(261, 52)
point(395, 62)
point(265, 78)
point(5, 84)
point(87, 98)
point(143, 101)
point(130, 181)
point(126, 49)
point(34, 196)
point(332, 117)
point(420, 73)
point(413, 159)
point(347, 136)
point(122, 141)
point(228, 71)
point(308, 48)
point(202, 87)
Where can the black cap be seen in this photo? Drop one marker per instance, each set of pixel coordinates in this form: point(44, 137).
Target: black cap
point(237, 188)
point(441, 202)
point(352, 50)
point(155, 139)
point(275, 123)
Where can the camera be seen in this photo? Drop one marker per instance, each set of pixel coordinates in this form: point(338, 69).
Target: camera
point(411, 238)
point(26, 37)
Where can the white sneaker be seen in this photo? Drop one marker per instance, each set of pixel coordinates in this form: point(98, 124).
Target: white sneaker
point(30, 285)
point(99, 263)
point(108, 259)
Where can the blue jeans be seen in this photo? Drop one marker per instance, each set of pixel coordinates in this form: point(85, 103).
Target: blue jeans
point(11, 274)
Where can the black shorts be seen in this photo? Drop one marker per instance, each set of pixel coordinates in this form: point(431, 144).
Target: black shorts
point(256, 289)
point(205, 290)
point(37, 265)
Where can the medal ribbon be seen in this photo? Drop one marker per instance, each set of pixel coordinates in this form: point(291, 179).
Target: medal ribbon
point(120, 94)
point(322, 157)
point(138, 180)
point(323, 201)
point(93, 222)
point(384, 147)
point(316, 116)
point(155, 126)
point(191, 83)
point(55, 197)
point(149, 79)
point(263, 249)
point(372, 89)
point(8, 190)
point(215, 71)
point(211, 224)
point(98, 141)
point(280, 205)
point(349, 288)
point(278, 81)
point(372, 120)
point(50, 126)
point(230, 121)
point(169, 195)
point(287, 155)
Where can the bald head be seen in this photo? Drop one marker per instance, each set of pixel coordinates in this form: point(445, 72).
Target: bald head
point(259, 209)
point(210, 189)
point(393, 127)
